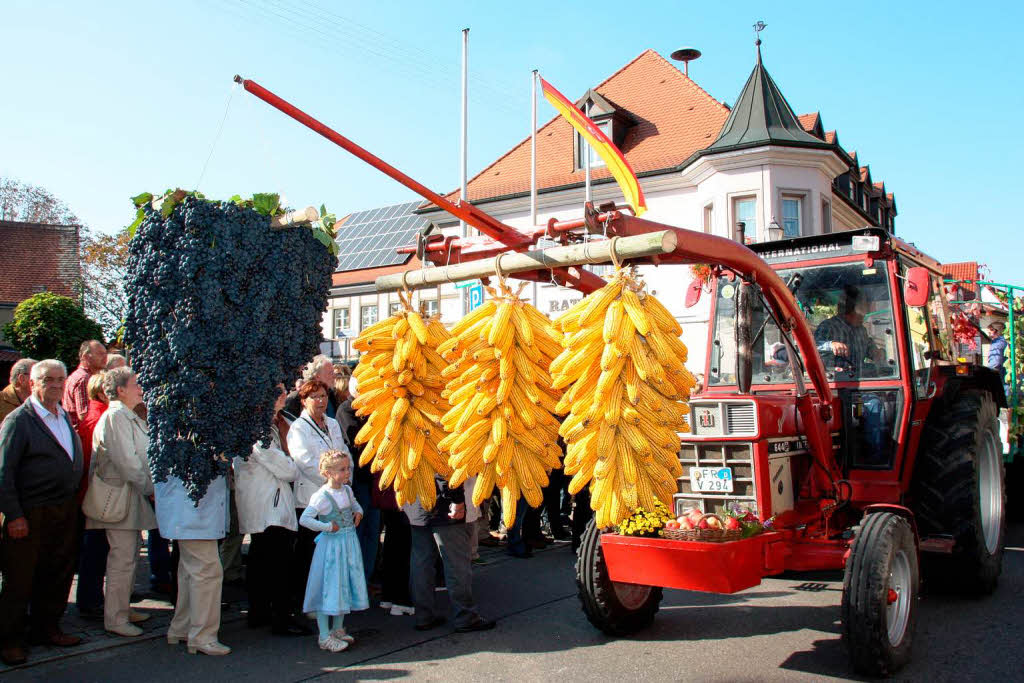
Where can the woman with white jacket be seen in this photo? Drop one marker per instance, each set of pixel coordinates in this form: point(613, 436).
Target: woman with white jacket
point(310, 434)
point(119, 444)
point(266, 511)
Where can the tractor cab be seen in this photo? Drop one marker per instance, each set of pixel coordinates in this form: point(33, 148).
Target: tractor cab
point(880, 355)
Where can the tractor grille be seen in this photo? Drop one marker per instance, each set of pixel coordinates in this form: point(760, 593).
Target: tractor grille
point(739, 418)
point(738, 456)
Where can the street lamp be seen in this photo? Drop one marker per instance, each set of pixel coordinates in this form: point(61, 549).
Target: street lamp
point(775, 231)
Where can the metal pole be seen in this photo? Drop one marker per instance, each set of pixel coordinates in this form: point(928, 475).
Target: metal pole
point(586, 152)
point(1013, 350)
point(533, 149)
point(465, 120)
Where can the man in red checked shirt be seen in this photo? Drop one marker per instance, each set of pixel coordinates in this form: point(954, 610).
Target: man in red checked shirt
point(92, 357)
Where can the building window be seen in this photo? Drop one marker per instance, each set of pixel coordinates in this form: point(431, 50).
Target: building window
point(367, 316)
point(865, 200)
point(600, 269)
point(744, 210)
point(582, 147)
point(341, 322)
point(853, 190)
point(429, 307)
point(826, 217)
point(709, 218)
point(394, 308)
point(791, 216)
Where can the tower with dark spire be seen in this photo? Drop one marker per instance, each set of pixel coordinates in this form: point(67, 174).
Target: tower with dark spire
point(762, 116)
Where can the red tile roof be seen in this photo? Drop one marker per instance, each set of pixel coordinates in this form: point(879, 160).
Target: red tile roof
point(830, 137)
point(964, 270)
point(37, 257)
point(675, 118)
point(811, 123)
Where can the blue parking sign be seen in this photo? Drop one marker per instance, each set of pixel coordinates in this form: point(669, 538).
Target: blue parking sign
point(476, 295)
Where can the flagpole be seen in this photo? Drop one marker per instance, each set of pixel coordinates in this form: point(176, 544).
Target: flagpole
point(586, 151)
point(465, 121)
point(533, 148)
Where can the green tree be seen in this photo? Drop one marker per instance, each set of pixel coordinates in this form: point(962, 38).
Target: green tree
point(49, 325)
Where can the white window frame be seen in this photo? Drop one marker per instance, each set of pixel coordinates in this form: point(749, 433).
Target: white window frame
point(394, 307)
point(734, 201)
point(581, 145)
point(339, 329)
point(709, 218)
point(363, 310)
point(799, 199)
point(826, 216)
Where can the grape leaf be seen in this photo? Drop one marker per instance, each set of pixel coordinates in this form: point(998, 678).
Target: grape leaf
point(144, 198)
point(140, 215)
point(266, 203)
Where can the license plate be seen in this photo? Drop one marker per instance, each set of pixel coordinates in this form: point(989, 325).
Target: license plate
point(713, 479)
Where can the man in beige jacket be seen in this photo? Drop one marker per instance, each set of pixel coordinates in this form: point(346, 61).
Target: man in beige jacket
point(15, 393)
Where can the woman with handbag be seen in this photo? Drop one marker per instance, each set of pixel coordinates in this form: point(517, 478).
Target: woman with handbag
point(118, 495)
point(310, 435)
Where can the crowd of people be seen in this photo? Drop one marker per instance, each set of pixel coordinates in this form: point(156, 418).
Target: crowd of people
point(76, 495)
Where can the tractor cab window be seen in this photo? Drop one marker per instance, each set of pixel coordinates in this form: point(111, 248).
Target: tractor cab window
point(849, 310)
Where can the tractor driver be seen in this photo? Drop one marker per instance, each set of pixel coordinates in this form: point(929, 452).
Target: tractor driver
point(844, 337)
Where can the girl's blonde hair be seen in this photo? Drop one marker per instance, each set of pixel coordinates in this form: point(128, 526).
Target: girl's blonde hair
point(330, 460)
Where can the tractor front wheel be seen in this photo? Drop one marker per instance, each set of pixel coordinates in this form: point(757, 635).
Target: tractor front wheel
point(880, 590)
point(618, 609)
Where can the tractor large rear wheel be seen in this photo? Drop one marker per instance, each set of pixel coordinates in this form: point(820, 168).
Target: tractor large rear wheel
point(618, 609)
point(959, 490)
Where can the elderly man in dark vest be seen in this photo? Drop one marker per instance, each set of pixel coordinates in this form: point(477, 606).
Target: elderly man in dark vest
point(40, 468)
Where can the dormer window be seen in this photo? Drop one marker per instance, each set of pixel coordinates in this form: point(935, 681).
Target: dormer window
point(611, 120)
point(582, 147)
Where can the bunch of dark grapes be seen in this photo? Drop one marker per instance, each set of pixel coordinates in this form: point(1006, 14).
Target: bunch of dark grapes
point(220, 310)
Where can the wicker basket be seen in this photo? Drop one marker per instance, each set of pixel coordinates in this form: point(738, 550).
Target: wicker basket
point(706, 535)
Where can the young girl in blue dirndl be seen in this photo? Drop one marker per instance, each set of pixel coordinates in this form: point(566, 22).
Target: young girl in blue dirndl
point(336, 583)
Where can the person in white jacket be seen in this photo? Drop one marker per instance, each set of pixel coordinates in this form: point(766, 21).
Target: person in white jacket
point(310, 435)
point(266, 511)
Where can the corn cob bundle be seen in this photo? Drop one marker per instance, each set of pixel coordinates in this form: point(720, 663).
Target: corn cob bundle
point(400, 384)
point(501, 424)
point(627, 387)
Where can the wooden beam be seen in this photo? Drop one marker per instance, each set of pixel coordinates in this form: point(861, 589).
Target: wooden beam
point(620, 248)
point(294, 219)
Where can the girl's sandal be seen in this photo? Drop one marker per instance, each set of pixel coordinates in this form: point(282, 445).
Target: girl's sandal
point(341, 634)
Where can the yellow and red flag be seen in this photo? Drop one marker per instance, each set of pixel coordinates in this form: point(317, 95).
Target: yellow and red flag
point(605, 148)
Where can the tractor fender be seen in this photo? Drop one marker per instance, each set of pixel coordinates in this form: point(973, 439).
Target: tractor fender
point(897, 510)
point(979, 377)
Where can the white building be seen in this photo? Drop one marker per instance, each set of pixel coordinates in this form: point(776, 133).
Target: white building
point(702, 166)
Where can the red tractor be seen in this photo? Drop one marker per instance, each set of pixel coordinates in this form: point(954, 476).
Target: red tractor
point(888, 465)
point(834, 408)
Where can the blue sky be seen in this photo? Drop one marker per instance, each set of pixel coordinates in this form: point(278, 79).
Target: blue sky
point(103, 100)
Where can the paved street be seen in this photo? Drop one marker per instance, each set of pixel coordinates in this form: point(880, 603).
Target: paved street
point(785, 629)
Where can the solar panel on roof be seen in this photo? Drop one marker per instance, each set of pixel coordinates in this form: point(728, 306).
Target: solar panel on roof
point(369, 239)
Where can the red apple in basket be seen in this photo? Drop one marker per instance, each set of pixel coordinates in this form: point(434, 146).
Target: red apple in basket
point(703, 524)
point(714, 523)
point(685, 524)
point(671, 524)
point(732, 524)
point(695, 514)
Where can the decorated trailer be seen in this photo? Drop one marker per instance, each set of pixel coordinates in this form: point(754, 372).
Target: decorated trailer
point(836, 421)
